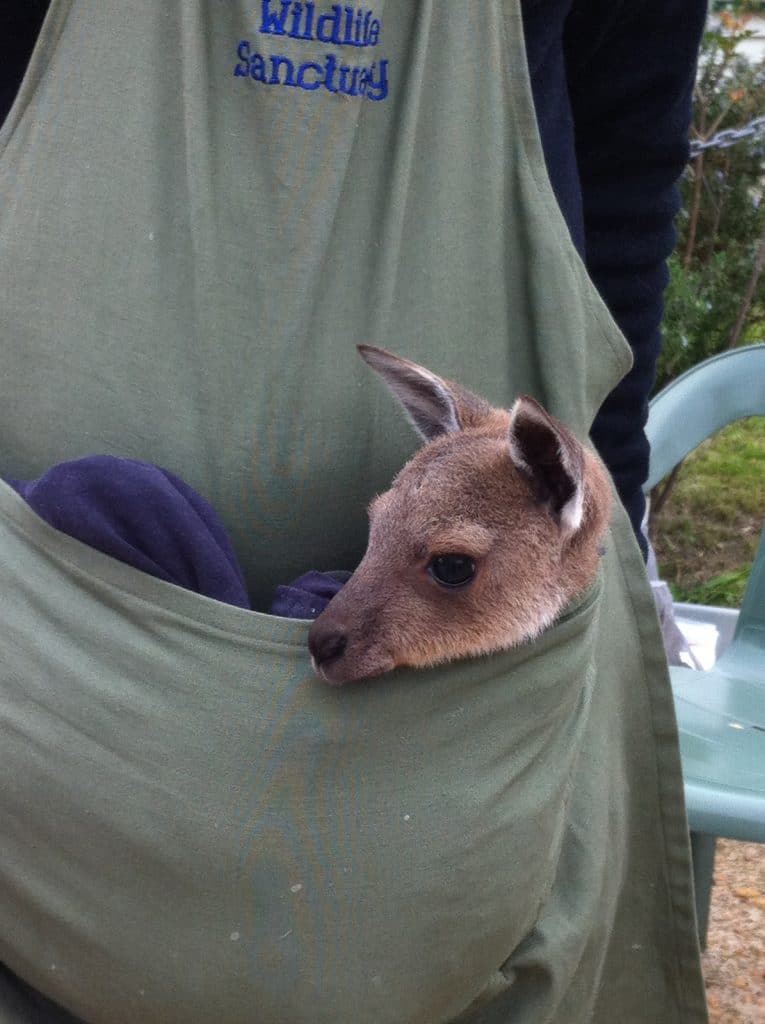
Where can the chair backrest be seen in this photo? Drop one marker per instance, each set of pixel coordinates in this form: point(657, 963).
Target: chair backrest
point(692, 408)
point(748, 646)
point(702, 401)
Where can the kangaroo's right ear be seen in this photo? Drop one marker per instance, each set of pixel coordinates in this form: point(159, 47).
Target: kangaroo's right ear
point(429, 401)
point(551, 457)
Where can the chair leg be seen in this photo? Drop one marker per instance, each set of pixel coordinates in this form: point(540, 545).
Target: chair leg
point(703, 855)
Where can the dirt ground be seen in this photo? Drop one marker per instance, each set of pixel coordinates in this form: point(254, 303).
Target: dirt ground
point(734, 961)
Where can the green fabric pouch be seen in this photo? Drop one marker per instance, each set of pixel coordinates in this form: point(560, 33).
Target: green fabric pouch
point(254, 837)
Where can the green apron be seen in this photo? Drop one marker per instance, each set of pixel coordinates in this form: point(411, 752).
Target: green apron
point(205, 206)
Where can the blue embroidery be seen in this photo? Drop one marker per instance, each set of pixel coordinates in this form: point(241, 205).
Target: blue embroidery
point(340, 26)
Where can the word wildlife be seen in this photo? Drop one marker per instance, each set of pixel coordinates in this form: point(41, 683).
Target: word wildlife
point(302, 21)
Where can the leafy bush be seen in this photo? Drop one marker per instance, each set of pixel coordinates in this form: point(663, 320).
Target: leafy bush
point(716, 296)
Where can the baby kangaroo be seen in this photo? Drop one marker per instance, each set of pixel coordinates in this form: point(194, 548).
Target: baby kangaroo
point(483, 538)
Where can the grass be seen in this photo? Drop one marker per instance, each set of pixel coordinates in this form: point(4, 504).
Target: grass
point(707, 533)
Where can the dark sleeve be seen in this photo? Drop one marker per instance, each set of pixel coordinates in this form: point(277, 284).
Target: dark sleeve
point(20, 23)
point(630, 69)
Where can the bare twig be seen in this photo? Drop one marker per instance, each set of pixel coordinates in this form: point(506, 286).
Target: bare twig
point(660, 495)
point(748, 297)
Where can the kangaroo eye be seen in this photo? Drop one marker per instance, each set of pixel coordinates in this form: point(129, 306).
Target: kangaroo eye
point(452, 570)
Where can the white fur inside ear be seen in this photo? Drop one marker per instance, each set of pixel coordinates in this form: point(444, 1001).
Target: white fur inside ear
point(515, 451)
point(443, 411)
point(572, 512)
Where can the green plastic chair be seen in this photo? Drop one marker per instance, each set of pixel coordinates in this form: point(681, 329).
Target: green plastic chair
point(721, 713)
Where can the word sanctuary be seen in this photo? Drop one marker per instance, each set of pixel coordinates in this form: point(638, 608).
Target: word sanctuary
point(306, 21)
point(369, 81)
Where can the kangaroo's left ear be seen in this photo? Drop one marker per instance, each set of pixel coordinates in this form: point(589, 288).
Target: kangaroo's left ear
point(551, 457)
point(429, 401)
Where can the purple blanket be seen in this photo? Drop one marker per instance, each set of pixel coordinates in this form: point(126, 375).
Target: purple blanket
point(152, 520)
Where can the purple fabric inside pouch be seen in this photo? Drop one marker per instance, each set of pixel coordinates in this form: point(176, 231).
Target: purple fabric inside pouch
point(150, 519)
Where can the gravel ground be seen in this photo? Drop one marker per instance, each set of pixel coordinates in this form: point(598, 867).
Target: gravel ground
point(734, 961)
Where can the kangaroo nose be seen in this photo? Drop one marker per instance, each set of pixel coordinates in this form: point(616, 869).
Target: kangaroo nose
point(326, 646)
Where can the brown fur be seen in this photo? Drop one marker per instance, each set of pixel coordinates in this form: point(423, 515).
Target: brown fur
point(465, 492)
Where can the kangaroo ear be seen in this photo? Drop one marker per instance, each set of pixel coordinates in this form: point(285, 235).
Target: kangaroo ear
point(551, 457)
point(429, 402)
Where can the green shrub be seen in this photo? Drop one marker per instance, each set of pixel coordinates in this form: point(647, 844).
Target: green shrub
point(716, 296)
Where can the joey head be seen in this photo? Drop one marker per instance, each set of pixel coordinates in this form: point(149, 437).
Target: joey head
point(485, 535)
